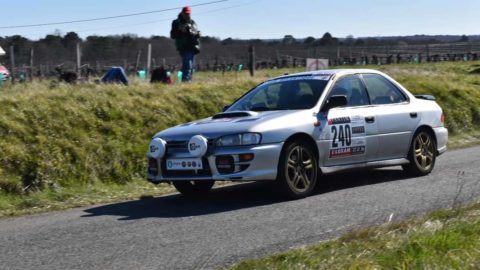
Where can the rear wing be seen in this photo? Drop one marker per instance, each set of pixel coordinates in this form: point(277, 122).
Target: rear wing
point(426, 97)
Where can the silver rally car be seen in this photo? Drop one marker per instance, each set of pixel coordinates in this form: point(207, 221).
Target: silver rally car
point(293, 128)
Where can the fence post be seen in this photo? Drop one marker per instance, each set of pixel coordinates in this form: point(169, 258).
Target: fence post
point(79, 60)
point(12, 64)
point(149, 60)
point(278, 59)
point(339, 61)
point(139, 53)
point(251, 64)
point(47, 69)
point(31, 64)
point(427, 49)
point(40, 68)
point(350, 55)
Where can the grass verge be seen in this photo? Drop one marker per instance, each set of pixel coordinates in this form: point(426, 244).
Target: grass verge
point(77, 145)
point(444, 239)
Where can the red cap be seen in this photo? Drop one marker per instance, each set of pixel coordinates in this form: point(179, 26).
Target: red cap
point(187, 10)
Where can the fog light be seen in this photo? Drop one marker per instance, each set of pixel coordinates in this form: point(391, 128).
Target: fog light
point(246, 157)
point(153, 166)
point(157, 148)
point(225, 164)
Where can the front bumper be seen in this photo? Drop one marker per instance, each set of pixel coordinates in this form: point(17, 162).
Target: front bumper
point(262, 167)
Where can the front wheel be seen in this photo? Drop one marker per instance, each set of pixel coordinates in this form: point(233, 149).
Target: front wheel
point(192, 188)
point(422, 154)
point(297, 170)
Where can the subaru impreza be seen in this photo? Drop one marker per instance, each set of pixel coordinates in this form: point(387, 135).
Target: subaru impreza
point(295, 128)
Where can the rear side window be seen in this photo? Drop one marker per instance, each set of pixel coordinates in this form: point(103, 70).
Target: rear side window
point(381, 90)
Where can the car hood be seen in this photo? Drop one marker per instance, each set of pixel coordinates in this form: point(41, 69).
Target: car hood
point(230, 123)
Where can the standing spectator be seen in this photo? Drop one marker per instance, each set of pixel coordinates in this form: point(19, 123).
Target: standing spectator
point(186, 35)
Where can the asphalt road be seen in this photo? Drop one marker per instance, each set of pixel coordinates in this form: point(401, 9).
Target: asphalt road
point(232, 223)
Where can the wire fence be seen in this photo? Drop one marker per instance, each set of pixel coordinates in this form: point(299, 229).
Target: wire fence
point(236, 57)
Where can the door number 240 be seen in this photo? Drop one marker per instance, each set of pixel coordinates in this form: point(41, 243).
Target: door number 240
point(341, 134)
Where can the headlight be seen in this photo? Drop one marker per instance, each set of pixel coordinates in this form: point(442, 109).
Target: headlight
point(239, 139)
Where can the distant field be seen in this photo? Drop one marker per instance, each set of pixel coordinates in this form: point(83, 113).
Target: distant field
point(77, 145)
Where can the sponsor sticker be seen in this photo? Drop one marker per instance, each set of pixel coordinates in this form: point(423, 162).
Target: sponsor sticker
point(323, 77)
point(347, 151)
point(184, 164)
point(347, 135)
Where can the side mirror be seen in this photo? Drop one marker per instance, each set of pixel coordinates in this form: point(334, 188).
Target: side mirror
point(335, 101)
point(226, 108)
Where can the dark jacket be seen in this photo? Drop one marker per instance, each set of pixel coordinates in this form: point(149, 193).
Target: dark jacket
point(186, 35)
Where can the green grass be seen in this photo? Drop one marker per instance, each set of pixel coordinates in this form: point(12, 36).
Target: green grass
point(67, 146)
point(445, 239)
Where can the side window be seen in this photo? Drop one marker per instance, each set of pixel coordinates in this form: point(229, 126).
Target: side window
point(381, 90)
point(352, 87)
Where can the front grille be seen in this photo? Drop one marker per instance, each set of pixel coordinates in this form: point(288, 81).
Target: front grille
point(177, 144)
point(205, 172)
point(183, 145)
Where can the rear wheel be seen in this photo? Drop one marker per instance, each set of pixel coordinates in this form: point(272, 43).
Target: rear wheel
point(191, 188)
point(297, 170)
point(422, 154)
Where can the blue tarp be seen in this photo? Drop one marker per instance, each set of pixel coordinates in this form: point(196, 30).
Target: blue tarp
point(115, 75)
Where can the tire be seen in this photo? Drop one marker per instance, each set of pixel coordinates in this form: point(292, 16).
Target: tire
point(193, 188)
point(297, 170)
point(422, 154)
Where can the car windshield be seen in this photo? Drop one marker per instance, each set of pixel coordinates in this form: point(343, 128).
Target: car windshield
point(294, 93)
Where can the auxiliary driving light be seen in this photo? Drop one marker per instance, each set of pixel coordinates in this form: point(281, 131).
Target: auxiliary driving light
point(157, 148)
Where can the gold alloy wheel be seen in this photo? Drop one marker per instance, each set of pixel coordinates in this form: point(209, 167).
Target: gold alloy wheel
point(299, 170)
point(424, 151)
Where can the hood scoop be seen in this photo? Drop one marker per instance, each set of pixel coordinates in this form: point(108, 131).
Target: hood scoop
point(234, 114)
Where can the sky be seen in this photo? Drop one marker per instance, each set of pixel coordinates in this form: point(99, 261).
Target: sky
point(244, 19)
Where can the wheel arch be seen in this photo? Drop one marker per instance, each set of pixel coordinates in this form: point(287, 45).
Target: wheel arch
point(304, 137)
point(413, 167)
point(428, 129)
point(282, 176)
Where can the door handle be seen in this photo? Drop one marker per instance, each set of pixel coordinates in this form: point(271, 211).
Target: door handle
point(413, 115)
point(370, 119)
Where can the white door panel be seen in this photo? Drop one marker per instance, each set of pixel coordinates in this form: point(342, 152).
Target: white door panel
point(395, 122)
point(395, 117)
point(347, 137)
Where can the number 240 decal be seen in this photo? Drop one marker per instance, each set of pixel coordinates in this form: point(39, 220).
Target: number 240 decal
point(341, 134)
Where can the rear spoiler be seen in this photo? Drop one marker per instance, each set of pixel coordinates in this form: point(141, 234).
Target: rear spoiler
point(426, 97)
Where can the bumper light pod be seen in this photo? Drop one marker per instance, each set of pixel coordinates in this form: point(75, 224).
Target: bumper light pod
point(157, 148)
